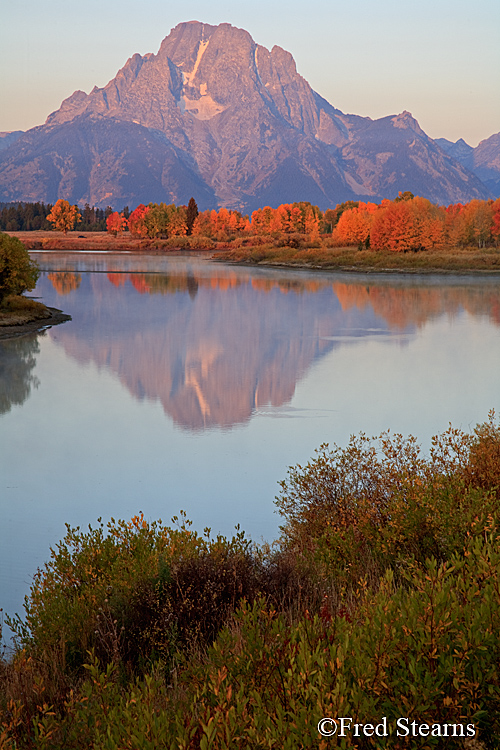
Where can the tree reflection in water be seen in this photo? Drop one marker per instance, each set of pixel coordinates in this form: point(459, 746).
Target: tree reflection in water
point(17, 361)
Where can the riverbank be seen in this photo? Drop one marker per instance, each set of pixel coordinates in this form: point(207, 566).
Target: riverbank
point(24, 315)
point(104, 242)
point(257, 251)
point(448, 260)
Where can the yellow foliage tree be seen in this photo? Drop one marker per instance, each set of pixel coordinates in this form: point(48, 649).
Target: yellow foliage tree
point(64, 216)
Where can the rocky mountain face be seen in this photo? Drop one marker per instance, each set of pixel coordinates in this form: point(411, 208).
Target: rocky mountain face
point(7, 138)
point(483, 161)
point(219, 117)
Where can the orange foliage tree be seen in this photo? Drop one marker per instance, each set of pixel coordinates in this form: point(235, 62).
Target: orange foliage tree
point(353, 227)
point(495, 229)
point(408, 224)
point(472, 223)
point(136, 224)
point(222, 225)
point(392, 228)
point(290, 218)
point(116, 223)
point(478, 223)
point(64, 216)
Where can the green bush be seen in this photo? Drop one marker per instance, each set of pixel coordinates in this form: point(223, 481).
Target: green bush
point(133, 592)
point(428, 651)
point(18, 273)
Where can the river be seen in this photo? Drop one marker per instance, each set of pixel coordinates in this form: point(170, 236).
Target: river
point(183, 384)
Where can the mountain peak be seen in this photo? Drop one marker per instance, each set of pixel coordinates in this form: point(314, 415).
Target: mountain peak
point(406, 120)
point(217, 116)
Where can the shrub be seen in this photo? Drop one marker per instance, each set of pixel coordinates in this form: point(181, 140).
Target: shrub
point(133, 592)
point(380, 502)
point(427, 651)
point(382, 600)
point(18, 273)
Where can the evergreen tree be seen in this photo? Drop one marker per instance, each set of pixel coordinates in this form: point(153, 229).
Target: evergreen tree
point(192, 213)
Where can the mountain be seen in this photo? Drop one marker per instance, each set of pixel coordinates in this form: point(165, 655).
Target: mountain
point(219, 117)
point(6, 138)
point(483, 161)
point(460, 150)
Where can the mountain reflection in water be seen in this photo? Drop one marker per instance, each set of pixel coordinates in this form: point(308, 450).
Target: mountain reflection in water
point(215, 347)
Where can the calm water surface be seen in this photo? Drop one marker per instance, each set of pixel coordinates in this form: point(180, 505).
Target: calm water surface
point(184, 384)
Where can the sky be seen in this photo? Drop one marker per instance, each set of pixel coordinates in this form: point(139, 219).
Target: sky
point(438, 59)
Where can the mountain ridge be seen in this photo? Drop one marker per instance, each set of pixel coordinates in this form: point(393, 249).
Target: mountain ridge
point(215, 115)
point(483, 160)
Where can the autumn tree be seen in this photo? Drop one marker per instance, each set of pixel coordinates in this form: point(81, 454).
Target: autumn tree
point(455, 223)
point(393, 228)
point(406, 196)
point(429, 223)
point(136, 223)
point(311, 222)
point(203, 226)
point(262, 219)
point(116, 223)
point(332, 216)
point(478, 221)
point(177, 224)
point(163, 221)
point(495, 229)
point(64, 216)
point(410, 223)
point(18, 273)
point(354, 224)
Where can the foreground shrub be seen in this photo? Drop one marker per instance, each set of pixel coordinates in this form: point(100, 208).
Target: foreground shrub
point(18, 273)
point(382, 600)
point(132, 592)
point(380, 503)
point(428, 651)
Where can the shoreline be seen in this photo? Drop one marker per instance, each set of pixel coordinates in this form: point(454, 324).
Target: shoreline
point(33, 326)
point(446, 261)
point(408, 271)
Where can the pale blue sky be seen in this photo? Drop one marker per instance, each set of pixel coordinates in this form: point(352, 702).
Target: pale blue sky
point(439, 59)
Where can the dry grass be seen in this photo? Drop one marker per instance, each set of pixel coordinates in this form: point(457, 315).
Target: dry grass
point(17, 310)
point(42, 240)
point(449, 260)
point(78, 241)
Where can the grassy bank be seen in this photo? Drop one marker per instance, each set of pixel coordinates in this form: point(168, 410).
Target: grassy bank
point(449, 260)
point(380, 599)
point(103, 241)
point(18, 310)
point(21, 315)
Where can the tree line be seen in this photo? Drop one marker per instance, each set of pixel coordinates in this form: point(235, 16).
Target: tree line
point(27, 217)
point(407, 223)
